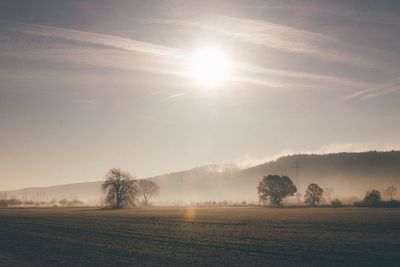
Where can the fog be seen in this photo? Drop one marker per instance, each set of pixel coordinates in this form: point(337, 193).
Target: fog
point(346, 176)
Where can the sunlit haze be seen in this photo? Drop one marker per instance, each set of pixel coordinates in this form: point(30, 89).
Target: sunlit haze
point(210, 66)
point(154, 87)
point(199, 133)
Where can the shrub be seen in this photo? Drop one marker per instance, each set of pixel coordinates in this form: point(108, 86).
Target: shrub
point(336, 203)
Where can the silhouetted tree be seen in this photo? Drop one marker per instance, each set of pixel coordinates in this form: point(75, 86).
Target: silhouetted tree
point(3, 203)
point(274, 188)
point(147, 189)
point(372, 198)
point(336, 203)
point(10, 202)
point(75, 202)
point(120, 189)
point(63, 202)
point(313, 194)
point(391, 192)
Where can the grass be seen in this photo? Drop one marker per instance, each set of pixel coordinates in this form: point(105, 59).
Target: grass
point(200, 236)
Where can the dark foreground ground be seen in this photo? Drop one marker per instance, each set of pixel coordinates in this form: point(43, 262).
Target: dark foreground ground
point(200, 236)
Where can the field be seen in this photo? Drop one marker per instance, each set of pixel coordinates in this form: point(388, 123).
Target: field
point(200, 236)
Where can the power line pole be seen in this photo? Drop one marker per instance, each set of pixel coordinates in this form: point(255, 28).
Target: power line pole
point(298, 167)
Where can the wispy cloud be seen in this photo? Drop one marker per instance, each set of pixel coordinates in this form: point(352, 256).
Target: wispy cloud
point(276, 36)
point(94, 38)
point(308, 78)
point(176, 95)
point(347, 10)
point(384, 88)
point(92, 49)
point(338, 147)
point(133, 55)
point(356, 147)
point(85, 101)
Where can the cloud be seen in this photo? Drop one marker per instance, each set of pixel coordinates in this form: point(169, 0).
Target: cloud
point(384, 88)
point(356, 147)
point(95, 38)
point(350, 10)
point(85, 101)
point(276, 36)
point(297, 77)
point(373, 145)
point(248, 161)
point(62, 45)
point(176, 95)
point(108, 51)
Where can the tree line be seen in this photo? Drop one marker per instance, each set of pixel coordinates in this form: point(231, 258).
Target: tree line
point(6, 202)
point(122, 190)
point(273, 189)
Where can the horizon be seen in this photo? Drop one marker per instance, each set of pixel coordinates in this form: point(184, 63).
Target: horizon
point(160, 86)
point(199, 133)
point(239, 167)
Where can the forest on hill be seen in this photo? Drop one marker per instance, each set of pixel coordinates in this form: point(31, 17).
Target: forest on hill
point(347, 176)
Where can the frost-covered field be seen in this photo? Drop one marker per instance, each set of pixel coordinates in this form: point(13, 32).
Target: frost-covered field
point(200, 236)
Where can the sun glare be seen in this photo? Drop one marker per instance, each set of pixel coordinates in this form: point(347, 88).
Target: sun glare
point(210, 66)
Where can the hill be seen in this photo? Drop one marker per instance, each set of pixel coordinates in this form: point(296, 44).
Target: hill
point(348, 175)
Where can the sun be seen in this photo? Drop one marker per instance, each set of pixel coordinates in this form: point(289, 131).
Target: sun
point(210, 66)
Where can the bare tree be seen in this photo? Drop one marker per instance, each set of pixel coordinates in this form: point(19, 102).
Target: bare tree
point(313, 194)
point(120, 189)
point(147, 189)
point(391, 192)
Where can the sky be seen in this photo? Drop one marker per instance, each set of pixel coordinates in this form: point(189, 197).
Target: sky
point(90, 85)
